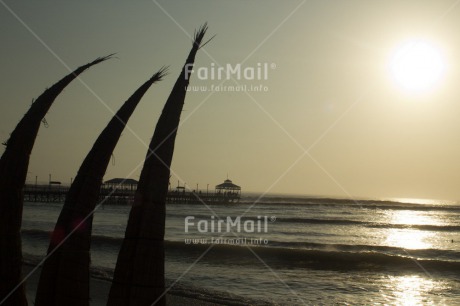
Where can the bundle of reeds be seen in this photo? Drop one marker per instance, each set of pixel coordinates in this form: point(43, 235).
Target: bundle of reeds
point(13, 172)
point(139, 273)
point(65, 275)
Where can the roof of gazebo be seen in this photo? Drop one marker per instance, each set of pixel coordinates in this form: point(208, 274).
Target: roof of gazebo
point(122, 181)
point(227, 184)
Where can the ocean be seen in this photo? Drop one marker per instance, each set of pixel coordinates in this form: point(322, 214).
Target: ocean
point(289, 250)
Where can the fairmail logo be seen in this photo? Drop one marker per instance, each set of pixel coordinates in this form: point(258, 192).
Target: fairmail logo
point(258, 72)
point(215, 225)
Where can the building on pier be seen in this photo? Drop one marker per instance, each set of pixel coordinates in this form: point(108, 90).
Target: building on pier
point(121, 184)
point(228, 191)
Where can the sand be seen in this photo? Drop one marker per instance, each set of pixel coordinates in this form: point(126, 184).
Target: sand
point(100, 290)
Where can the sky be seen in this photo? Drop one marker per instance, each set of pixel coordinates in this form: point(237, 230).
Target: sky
point(330, 118)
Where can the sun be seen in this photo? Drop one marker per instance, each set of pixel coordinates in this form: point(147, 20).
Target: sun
point(417, 66)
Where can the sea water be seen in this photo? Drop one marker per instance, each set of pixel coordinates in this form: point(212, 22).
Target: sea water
point(290, 250)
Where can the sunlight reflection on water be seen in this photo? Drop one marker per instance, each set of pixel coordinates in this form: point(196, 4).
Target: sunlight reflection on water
point(411, 217)
point(409, 239)
point(411, 290)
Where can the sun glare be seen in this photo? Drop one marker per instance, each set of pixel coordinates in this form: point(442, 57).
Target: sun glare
point(410, 238)
point(410, 289)
point(417, 66)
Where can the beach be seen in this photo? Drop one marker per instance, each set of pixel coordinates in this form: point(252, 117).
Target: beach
point(100, 290)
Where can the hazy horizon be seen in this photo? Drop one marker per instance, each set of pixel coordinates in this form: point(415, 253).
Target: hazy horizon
point(333, 121)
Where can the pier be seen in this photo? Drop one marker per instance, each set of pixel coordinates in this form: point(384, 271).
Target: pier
point(121, 192)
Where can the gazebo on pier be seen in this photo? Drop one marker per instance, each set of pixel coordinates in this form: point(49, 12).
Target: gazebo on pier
point(228, 191)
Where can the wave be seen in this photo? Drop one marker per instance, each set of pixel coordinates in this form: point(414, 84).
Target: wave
point(296, 254)
point(448, 255)
point(332, 202)
point(428, 227)
point(330, 257)
point(425, 227)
